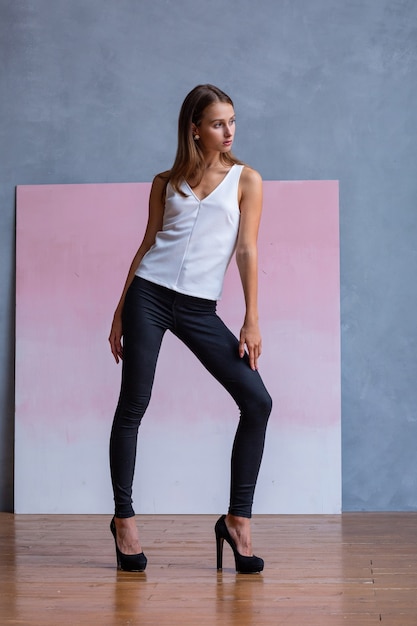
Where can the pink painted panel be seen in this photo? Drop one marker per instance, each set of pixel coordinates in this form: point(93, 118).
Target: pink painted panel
point(74, 246)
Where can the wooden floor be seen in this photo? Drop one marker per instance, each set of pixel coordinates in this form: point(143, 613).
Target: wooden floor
point(357, 568)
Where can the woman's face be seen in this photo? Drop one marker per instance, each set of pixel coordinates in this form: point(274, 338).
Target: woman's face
point(217, 128)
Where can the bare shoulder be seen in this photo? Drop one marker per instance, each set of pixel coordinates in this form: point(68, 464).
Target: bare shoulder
point(159, 184)
point(162, 178)
point(250, 179)
point(250, 186)
point(163, 175)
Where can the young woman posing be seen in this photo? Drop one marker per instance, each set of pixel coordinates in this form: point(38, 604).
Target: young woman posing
point(202, 210)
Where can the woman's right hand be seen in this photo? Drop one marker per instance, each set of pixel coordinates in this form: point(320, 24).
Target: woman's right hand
point(115, 337)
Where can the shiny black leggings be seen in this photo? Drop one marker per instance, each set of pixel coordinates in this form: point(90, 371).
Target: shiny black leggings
point(149, 311)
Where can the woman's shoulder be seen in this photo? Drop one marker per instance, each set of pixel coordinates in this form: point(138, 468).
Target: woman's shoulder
point(250, 177)
point(160, 182)
point(164, 175)
point(162, 178)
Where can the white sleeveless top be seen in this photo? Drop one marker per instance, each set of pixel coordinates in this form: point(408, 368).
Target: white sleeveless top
point(198, 237)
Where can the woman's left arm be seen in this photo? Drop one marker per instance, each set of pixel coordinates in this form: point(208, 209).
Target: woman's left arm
point(250, 203)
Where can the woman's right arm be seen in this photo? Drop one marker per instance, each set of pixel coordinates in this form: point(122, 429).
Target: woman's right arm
point(155, 219)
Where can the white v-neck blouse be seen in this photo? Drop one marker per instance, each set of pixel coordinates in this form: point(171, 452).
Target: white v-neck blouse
point(193, 250)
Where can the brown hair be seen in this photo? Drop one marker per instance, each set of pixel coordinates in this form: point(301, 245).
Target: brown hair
point(189, 161)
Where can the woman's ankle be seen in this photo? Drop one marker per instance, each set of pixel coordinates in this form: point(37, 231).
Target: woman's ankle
point(240, 531)
point(127, 535)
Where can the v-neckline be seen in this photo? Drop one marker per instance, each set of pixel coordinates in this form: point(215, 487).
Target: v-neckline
point(213, 190)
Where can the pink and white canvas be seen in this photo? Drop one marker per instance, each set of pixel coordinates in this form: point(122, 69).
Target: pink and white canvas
point(74, 247)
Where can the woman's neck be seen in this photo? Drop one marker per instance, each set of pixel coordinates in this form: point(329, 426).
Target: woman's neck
point(212, 160)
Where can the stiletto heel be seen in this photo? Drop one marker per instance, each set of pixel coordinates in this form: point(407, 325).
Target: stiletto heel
point(128, 562)
point(219, 546)
point(244, 564)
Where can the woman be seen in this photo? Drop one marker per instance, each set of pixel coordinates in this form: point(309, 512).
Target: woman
point(202, 210)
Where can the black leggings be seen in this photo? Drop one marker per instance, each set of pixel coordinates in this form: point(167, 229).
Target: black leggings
point(149, 311)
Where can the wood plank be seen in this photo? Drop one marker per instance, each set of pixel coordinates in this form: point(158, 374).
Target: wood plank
point(355, 568)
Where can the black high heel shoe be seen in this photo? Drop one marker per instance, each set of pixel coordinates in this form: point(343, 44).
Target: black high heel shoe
point(244, 564)
point(128, 562)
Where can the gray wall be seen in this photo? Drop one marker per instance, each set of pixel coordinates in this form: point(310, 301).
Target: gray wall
point(323, 89)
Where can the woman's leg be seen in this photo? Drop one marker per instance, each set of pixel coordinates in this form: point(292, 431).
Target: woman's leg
point(199, 327)
point(146, 316)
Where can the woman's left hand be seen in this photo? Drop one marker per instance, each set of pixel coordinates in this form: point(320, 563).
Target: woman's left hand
point(251, 337)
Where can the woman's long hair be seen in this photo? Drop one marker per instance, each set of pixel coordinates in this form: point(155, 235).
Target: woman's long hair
point(189, 161)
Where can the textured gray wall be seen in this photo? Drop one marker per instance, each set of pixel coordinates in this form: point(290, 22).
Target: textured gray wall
point(325, 89)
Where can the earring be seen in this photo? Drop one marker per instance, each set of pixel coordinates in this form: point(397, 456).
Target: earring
point(196, 137)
